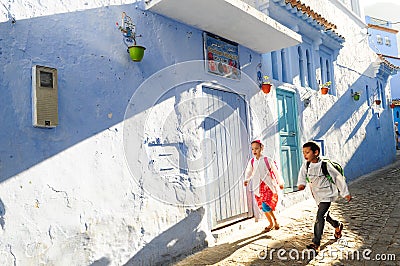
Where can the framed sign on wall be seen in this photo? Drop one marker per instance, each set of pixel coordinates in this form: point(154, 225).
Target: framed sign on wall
point(221, 56)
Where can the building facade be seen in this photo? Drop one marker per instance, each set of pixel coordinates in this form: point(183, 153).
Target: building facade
point(113, 161)
point(383, 40)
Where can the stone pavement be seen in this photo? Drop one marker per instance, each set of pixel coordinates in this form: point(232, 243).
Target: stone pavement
point(371, 234)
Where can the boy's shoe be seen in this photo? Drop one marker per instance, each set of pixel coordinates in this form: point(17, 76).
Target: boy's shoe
point(338, 234)
point(314, 247)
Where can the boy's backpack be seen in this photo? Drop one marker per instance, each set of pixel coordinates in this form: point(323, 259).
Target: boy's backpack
point(324, 169)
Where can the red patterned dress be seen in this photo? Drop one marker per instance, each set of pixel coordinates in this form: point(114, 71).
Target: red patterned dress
point(267, 196)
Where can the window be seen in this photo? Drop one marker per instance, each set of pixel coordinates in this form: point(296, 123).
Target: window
point(322, 69)
point(301, 66)
point(379, 39)
point(387, 41)
point(284, 66)
point(310, 82)
point(326, 68)
point(274, 57)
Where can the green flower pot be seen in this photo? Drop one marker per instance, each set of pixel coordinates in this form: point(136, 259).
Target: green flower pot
point(356, 97)
point(136, 52)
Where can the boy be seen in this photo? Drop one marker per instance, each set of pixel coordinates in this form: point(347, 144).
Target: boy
point(323, 190)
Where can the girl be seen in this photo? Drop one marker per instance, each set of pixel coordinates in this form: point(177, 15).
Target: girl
point(266, 183)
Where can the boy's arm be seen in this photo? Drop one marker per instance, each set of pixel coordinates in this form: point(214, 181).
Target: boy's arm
point(340, 182)
point(301, 179)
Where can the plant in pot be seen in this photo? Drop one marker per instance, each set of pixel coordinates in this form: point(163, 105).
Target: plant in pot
point(356, 95)
point(128, 29)
point(325, 87)
point(266, 85)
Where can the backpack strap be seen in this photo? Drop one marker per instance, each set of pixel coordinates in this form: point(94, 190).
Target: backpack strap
point(324, 169)
point(266, 163)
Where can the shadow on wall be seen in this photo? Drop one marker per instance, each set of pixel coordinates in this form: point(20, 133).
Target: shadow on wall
point(356, 167)
point(173, 243)
point(96, 79)
point(377, 129)
point(101, 262)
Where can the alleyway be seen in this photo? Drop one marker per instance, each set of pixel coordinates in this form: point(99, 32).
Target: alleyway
point(371, 231)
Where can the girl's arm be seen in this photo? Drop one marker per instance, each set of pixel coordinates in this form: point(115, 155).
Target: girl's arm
point(248, 172)
point(278, 177)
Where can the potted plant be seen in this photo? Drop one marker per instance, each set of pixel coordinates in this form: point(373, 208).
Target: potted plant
point(356, 96)
point(128, 29)
point(266, 85)
point(325, 87)
point(378, 102)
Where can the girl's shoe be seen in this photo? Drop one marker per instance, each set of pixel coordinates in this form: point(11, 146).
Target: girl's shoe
point(267, 229)
point(276, 227)
point(338, 234)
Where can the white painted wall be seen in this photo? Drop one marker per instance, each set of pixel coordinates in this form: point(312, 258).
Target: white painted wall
point(68, 195)
point(80, 194)
point(349, 128)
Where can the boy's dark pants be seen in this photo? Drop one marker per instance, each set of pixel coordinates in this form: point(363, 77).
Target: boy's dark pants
point(323, 208)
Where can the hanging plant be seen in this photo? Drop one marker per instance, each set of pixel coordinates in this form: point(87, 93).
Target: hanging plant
point(356, 96)
point(266, 85)
point(128, 29)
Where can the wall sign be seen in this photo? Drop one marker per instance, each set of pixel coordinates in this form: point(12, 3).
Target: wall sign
point(221, 56)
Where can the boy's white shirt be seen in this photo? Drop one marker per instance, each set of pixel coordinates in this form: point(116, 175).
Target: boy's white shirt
point(321, 188)
point(259, 172)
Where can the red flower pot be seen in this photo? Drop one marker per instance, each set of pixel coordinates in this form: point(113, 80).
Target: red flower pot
point(324, 90)
point(392, 105)
point(266, 87)
point(378, 102)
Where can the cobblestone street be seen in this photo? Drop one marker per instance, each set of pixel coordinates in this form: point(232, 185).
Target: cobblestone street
point(371, 234)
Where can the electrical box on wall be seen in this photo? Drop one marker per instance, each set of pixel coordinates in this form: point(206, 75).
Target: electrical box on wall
point(44, 96)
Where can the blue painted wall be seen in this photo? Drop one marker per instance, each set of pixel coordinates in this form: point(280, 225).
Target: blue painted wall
point(389, 49)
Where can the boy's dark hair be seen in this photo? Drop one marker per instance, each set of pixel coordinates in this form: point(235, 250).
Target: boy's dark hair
point(313, 146)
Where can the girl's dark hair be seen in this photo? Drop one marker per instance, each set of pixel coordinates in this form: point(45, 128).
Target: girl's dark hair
point(257, 141)
point(313, 146)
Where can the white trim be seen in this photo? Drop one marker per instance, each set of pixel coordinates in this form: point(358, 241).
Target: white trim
point(231, 19)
